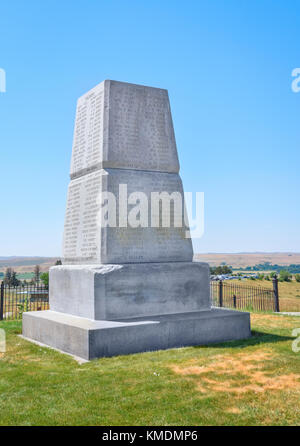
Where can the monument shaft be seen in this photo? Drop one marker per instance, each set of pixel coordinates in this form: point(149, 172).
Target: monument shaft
point(123, 136)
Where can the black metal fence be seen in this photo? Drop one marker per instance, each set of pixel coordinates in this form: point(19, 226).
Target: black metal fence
point(14, 300)
point(245, 297)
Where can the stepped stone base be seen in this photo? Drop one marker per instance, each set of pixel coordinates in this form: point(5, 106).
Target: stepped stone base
point(89, 339)
point(114, 291)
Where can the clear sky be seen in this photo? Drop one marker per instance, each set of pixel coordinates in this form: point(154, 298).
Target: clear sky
point(227, 66)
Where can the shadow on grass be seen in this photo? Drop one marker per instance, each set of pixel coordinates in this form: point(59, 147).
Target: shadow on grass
point(257, 337)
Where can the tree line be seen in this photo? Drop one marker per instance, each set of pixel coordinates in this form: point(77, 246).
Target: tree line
point(10, 276)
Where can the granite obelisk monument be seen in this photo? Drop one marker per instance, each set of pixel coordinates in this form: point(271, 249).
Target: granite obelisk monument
point(128, 282)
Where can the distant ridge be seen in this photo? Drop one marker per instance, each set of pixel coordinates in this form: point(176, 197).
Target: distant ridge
point(24, 257)
point(237, 259)
point(243, 259)
point(248, 252)
point(26, 264)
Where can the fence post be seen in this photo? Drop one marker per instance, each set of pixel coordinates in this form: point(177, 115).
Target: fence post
point(1, 300)
point(220, 293)
point(276, 294)
point(234, 301)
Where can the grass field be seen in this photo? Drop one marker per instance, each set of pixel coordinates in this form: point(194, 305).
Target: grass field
point(252, 382)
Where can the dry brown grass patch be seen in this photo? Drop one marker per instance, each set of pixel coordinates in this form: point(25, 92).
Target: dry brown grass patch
point(273, 321)
point(239, 374)
point(234, 410)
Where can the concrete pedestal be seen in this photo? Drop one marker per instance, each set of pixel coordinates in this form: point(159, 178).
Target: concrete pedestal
point(89, 339)
point(120, 309)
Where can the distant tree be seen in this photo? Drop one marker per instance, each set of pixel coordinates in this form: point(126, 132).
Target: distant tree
point(273, 274)
point(8, 276)
point(227, 269)
point(14, 281)
point(297, 277)
point(36, 272)
point(260, 276)
point(45, 279)
point(58, 262)
point(267, 277)
point(217, 270)
point(284, 276)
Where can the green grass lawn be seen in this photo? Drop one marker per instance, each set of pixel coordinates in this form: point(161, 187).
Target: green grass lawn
point(253, 382)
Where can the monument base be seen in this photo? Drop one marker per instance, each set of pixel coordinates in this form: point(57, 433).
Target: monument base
point(114, 291)
point(89, 339)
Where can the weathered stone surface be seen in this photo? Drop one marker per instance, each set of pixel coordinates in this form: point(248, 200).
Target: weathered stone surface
point(86, 242)
point(124, 126)
point(109, 292)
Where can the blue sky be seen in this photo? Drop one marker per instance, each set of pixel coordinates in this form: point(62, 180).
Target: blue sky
point(227, 66)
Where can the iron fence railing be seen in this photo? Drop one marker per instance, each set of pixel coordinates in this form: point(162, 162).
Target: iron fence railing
point(14, 300)
point(244, 297)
